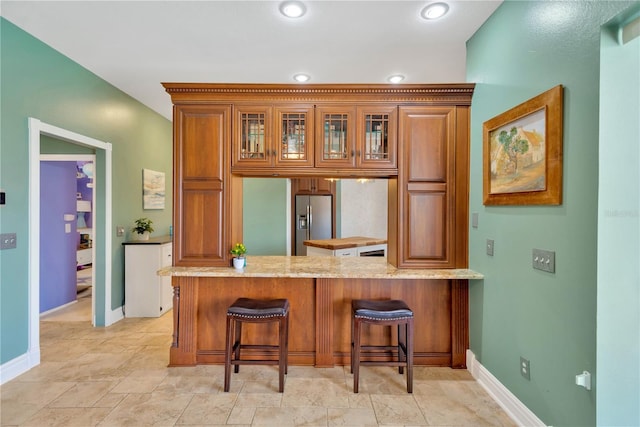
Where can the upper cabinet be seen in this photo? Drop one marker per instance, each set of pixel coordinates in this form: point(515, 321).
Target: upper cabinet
point(356, 137)
point(417, 136)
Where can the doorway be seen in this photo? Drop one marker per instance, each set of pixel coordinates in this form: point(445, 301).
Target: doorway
point(66, 237)
point(103, 315)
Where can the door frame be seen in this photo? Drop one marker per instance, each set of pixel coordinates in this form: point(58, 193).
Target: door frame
point(104, 246)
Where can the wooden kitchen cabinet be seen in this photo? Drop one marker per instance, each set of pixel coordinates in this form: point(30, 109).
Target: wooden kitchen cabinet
point(278, 136)
point(202, 185)
point(312, 186)
point(432, 187)
point(416, 136)
point(362, 137)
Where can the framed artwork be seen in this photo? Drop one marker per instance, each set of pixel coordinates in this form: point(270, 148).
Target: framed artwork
point(522, 153)
point(153, 189)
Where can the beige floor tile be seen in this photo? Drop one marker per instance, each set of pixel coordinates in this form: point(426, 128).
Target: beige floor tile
point(323, 392)
point(208, 409)
point(255, 400)
point(397, 410)
point(189, 384)
point(83, 395)
point(351, 417)
point(303, 416)
point(241, 415)
point(67, 417)
point(151, 409)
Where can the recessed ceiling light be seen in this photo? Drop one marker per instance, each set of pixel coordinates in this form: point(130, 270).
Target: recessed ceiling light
point(396, 78)
point(301, 78)
point(435, 11)
point(292, 9)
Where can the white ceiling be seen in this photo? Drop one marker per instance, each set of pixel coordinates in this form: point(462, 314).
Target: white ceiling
point(136, 45)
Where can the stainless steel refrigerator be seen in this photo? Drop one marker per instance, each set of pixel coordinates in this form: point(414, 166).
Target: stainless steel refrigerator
point(313, 220)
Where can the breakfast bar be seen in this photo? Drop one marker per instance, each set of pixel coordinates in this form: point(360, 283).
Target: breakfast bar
point(320, 290)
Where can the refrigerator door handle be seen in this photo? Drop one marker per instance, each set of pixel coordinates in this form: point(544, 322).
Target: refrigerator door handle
point(310, 221)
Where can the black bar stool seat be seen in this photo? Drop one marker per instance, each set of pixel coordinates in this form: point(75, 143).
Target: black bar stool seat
point(385, 313)
point(256, 311)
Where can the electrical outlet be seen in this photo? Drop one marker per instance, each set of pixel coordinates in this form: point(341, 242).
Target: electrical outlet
point(119, 230)
point(525, 368)
point(489, 247)
point(544, 260)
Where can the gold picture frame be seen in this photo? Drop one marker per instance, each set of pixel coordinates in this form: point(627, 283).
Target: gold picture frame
point(522, 153)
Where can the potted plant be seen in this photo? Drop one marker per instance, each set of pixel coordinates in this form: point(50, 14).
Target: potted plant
point(239, 261)
point(142, 228)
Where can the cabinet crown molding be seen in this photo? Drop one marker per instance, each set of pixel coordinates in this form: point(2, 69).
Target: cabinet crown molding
point(456, 93)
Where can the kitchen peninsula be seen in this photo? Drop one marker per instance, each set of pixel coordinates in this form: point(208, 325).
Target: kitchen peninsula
point(416, 136)
point(320, 290)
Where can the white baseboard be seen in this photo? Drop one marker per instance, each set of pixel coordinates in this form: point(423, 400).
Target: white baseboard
point(507, 400)
point(113, 316)
point(19, 365)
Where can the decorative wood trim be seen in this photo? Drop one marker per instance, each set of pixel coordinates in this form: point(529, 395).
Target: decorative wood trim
point(459, 322)
point(459, 93)
point(324, 323)
point(176, 316)
point(185, 352)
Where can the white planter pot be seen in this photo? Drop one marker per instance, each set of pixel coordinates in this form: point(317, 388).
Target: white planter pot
point(143, 236)
point(238, 263)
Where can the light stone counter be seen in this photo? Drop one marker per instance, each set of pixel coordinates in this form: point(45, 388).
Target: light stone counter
point(320, 268)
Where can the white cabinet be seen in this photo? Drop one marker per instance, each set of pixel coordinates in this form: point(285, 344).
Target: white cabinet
point(146, 293)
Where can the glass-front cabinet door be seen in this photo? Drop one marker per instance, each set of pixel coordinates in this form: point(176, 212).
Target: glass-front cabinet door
point(252, 142)
point(294, 136)
point(335, 136)
point(376, 138)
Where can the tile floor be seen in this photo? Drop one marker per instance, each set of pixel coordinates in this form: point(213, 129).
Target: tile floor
point(118, 376)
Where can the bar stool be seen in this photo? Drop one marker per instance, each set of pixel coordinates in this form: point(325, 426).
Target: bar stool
point(256, 311)
point(385, 313)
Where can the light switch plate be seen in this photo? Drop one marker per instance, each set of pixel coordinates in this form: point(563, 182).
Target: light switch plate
point(119, 230)
point(474, 220)
point(8, 241)
point(489, 247)
point(544, 260)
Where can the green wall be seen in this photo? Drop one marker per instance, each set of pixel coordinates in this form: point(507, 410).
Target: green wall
point(265, 216)
point(524, 49)
point(37, 81)
point(618, 342)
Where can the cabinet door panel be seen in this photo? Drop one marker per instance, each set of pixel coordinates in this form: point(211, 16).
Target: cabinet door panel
point(294, 136)
point(429, 132)
point(376, 137)
point(205, 214)
point(335, 143)
point(200, 129)
point(252, 137)
point(427, 226)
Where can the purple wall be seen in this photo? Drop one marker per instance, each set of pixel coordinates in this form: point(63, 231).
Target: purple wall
point(57, 248)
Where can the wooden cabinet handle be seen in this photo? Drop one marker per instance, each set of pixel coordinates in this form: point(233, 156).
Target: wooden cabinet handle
point(353, 153)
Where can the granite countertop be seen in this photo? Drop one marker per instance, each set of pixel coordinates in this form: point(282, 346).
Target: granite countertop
point(320, 267)
point(346, 242)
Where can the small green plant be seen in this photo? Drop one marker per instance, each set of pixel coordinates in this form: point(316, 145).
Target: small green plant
point(238, 250)
point(142, 225)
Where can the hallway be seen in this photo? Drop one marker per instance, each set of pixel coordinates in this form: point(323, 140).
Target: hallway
point(118, 376)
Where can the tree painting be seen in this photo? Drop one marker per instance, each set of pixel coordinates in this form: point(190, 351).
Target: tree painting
point(518, 155)
point(513, 146)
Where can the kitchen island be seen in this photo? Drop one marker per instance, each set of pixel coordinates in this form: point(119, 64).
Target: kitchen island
point(347, 246)
point(320, 290)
